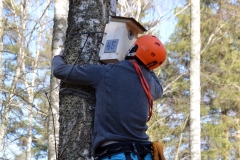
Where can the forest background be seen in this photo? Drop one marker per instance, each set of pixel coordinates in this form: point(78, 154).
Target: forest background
point(25, 58)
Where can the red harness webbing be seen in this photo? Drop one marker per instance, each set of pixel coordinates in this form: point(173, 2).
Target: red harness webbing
point(145, 87)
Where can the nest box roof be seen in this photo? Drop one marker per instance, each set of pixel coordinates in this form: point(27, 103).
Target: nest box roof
point(130, 21)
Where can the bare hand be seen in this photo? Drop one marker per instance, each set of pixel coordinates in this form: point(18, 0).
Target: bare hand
point(61, 52)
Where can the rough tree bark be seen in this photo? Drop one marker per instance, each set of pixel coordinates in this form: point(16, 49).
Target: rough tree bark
point(59, 34)
point(195, 90)
point(85, 18)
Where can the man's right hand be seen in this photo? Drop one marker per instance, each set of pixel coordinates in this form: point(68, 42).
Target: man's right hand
point(61, 52)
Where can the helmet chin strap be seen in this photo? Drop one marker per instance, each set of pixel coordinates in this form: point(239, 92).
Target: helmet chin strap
point(132, 51)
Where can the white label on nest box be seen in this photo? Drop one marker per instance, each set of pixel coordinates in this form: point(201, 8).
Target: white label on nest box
point(111, 46)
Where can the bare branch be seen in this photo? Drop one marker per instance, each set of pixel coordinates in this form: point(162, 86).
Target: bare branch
point(211, 39)
point(175, 80)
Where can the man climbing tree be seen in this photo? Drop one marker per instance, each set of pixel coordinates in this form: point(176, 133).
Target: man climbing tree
point(124, 98)
point(124, 93)
point(85, 19)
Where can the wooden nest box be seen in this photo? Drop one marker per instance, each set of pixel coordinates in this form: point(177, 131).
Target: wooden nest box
point(120, 35)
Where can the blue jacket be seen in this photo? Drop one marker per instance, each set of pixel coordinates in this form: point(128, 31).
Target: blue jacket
point(122, 106)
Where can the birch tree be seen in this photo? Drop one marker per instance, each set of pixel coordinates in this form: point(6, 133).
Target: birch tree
point(219, 83)
point(22, 33)
point(59, 31)
point(195, 90)
point(10, 92)
point(30, 85)
point(19, 83)
point(1, 46)
point(85, 20)
point(1, 72)
point(145, 11)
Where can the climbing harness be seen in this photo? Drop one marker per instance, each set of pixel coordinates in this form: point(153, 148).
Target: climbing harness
point(140, 149)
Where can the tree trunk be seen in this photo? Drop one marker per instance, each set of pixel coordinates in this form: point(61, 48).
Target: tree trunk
point(10, 93)
point(1, 46)
point(1, 72)
point(238, 136)
point(59, 31)
point(195, 91)
point(22, 34)
point(8, 101)
point(31, 84)
point(2, 130)
point(77, 102)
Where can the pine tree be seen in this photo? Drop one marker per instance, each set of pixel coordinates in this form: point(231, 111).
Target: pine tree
point(23, 81)
point(219, 80)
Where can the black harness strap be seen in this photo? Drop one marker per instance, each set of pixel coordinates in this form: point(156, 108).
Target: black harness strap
point(140, 149)
point(127, 156)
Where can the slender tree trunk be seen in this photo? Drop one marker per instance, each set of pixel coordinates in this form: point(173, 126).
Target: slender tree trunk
point(195, 90)
point(138, 10)
point(76, 107)
point(59, 32)
point(1, 47)
point(238, 137)
point(1, 74)
point(21, 35)
point(30, 85)
point(7, 102)
point(10, 93)
point(3, 126)
point(30, 120)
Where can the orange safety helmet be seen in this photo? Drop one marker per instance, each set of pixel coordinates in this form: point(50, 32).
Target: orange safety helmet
point(150, 51)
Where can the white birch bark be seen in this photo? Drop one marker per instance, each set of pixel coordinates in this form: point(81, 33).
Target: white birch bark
point(238, 135)
point(10, 92)
point(8, 101)
point(1, 46)
point(30, 84)
point(195, 90)
point(59, 34)
point(134, 8)
point(76, 108)
point(2, 128)
point(138, 10)
point(20, 16)
point(22, 32)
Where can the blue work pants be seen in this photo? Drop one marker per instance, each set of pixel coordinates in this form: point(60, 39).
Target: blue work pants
point(121, 156)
